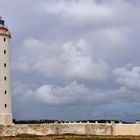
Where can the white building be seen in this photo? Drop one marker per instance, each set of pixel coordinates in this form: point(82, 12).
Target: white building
point(5, 83)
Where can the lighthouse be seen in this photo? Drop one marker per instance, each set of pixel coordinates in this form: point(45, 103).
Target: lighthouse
point(5, 80)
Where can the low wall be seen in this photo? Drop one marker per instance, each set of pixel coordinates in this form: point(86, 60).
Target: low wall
point(71, 128)
point(126, 129)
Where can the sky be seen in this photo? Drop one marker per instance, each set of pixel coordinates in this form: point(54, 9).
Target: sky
point(74, 59)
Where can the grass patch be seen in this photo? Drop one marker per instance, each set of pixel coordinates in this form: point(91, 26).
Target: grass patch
point(68, 137)
point(27, 136)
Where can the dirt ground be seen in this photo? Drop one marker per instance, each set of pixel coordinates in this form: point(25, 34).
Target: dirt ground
point(70, 137)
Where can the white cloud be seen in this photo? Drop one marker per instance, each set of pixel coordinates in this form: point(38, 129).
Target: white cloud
point(72, 93)
point(128, 76)
point(81, 65)
point(72, 61)
point(89, 12)
point(58, 95)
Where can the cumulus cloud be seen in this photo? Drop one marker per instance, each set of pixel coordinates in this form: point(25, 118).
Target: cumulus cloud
point(58, 95)
point(73, 93)
point(128, 76)
point(81, 65)
point(73, 62)
point(91, 12)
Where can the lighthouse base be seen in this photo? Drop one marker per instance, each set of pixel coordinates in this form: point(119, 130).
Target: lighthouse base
point(6, 119)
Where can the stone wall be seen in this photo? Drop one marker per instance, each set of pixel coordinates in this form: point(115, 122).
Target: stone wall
point(71, 128)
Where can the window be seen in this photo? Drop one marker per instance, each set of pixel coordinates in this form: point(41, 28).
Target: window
point(4, 51)
point(5, 91)
point(4, 64)
point(4, 39)
point(5, 105)
point(5, 78)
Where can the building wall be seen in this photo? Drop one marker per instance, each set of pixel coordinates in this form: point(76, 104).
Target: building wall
point(71, 128)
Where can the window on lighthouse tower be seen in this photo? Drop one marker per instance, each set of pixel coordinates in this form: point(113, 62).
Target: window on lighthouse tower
point(5, 78)
point(4, 51)
point(4, 39)
point(4, 64)
point(5, 91)
point(5, 105)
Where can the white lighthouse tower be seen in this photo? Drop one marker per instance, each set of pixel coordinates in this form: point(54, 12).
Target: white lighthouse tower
point(5, 83)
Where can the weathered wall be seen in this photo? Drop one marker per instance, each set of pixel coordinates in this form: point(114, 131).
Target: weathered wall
point(73, 128)
point(85, 128)
point(126, 129)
